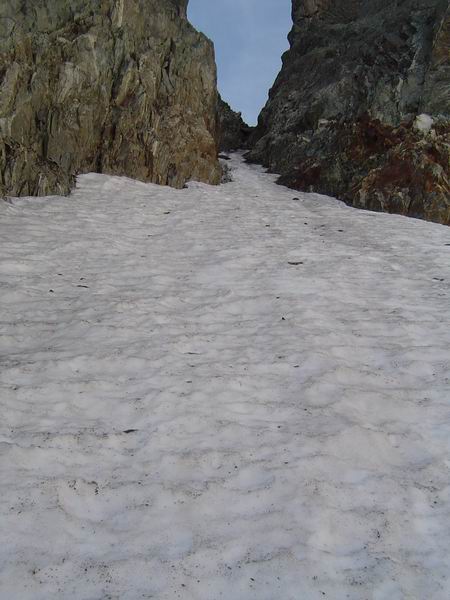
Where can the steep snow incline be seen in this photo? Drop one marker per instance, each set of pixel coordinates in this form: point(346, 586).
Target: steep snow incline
point(222, 392)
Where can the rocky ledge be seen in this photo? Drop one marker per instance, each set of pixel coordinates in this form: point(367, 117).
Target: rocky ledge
point(126, 88)
point(361, 107)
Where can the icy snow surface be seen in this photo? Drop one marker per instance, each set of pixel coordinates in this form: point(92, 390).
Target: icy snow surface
point(222, 393)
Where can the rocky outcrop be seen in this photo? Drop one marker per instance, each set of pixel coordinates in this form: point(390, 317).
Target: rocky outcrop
point(234, 132)
point(361, 107)
point(126, 88)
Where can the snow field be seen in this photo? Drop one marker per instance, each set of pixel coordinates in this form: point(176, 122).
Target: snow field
point(222, 392)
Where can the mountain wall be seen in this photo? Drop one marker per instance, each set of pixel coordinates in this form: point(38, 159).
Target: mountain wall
point(361, 107)
point(125, 87)
point(234, 132)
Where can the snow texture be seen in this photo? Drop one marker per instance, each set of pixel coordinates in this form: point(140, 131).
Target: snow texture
point(423, 123)
point(222, 393)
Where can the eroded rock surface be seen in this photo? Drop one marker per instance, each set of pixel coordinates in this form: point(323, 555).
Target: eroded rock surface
point(342, 117)
point(126, 88)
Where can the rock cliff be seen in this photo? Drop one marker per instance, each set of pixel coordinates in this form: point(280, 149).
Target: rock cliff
point(114, 86)
point(361, 107)
point(234, 132)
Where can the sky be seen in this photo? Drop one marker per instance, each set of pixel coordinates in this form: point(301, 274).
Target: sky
point(250, 37)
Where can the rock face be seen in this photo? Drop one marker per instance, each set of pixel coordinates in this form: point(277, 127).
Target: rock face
point(234, 132)
point(113, 86)
point(361, 107)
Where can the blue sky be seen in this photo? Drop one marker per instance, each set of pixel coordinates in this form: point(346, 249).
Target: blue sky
point(250, 37)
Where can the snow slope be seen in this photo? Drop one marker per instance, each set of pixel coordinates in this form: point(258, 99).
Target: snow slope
point(222, 393)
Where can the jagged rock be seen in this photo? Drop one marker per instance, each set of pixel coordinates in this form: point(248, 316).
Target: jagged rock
point(126, 88)
point(379, 167)
point(234, 132)
point(342, 115)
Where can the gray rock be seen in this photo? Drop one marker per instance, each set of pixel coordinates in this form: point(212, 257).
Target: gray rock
point(340, 116)
point(126, 88)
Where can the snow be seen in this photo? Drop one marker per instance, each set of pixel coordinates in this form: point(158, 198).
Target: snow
point(236, 392)
point(423, 123)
